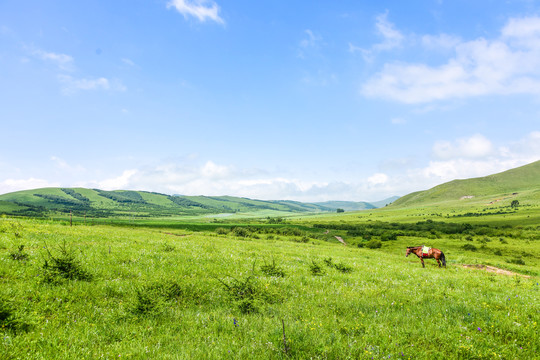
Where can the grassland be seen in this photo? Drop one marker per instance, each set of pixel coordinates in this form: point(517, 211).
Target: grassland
point(264, 289)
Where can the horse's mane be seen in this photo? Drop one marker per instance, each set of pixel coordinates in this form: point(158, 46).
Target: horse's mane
point(413, 247)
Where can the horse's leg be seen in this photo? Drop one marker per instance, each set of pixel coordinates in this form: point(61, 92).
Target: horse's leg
point(422, 260)
point(438, 262)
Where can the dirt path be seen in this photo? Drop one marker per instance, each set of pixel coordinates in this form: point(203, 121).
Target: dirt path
point(181, 235)
point(493, 269)
point(341, 240)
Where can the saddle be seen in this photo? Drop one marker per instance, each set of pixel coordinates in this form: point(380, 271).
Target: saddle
point(425, 250)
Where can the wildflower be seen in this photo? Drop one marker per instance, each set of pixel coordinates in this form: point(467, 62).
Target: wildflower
point(234, 321)
point(479, 329)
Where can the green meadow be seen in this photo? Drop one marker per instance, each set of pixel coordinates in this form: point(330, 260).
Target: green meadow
point(271, 288)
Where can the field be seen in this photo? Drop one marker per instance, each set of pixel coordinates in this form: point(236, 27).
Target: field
point(270, 288)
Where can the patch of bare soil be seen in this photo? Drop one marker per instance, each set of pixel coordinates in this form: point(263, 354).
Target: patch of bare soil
point(494, 269)
point(341, 240)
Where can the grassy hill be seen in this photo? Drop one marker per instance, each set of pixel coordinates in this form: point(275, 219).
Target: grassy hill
point(101, 203)
point(522, 184)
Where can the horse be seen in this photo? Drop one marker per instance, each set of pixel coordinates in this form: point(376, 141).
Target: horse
point(432, 253)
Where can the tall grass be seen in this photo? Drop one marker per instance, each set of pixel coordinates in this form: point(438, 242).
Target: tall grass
point(145, 300)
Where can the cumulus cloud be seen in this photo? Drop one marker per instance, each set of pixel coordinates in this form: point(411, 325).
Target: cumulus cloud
point(391, 38)
point(509, 64)
point(377, 179)
point(200, 9)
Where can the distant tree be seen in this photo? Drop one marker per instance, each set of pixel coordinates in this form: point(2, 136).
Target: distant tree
point(514, 204)
point(340, 210)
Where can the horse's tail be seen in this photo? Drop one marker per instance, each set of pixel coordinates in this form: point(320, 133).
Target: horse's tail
point(443, 259)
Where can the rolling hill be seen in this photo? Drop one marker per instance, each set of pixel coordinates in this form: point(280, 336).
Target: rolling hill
point(522, 184)
point(101, 203)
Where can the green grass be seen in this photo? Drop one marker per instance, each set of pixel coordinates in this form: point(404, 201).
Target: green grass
point(168, 293)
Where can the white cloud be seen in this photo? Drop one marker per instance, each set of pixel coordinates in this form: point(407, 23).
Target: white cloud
point(63, 61)
point(72, 84)
point(377, 179)
point(128, 62)
point(121, 182)
point(212, 171)
point(476, 146)
point(309, 44)
point(507, 65)
point(440, 42)
point(391, 38)
point(398, 121)
point(10, 185)
point(200, 9)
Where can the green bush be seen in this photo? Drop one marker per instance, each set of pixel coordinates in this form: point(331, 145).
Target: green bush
point(248, 295)
point(241, 232)
point(273, 269)
point(469, 247)
point(64, 265)
point(19, 254)
point(316, 269)
point(517, 261)
point(373, 244)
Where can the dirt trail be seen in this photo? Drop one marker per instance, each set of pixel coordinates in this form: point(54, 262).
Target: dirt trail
point(341, 240)
point(494, 270)
point(180, 235)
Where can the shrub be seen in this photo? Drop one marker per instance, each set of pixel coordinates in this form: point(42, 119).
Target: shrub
point(316, 269)
point(273, 269)
point(498, 252)
point(19, 254)
point(517, 261)
point(222, 231)
point(469, 247)
point(151, 299)
point(328, 262)
point(503, 241)
point(241, 232)
point(247, 294)
point(146, 302)
point(373, 244)
point(168, 247)
point(64, 265)
point(8, 317)
point(387, 236)
point(344, 268)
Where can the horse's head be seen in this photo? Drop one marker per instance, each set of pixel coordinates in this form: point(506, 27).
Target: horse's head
point(409, 250)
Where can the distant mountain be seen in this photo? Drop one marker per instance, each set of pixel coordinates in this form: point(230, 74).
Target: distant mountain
point(383, 203)
point(346, 205)
point(521, 181)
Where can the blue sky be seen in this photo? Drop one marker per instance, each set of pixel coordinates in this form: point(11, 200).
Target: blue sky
point(302, 100)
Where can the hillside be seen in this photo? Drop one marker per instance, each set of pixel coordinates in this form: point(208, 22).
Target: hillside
point(101, 203)
point(522, 183)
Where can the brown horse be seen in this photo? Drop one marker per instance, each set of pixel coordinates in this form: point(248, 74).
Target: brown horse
point(432, 253)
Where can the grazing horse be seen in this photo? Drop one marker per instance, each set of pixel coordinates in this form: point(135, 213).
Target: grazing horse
point(432, 253)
